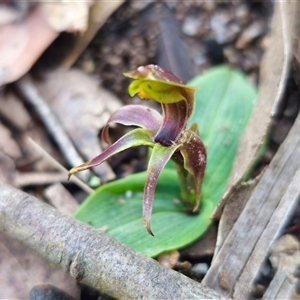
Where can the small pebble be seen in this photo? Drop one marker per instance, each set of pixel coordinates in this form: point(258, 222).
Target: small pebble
point(224, 29)
point(258, 291)
point(191, 26)
point(231, 54)
point(169, 260)
point(200, 269)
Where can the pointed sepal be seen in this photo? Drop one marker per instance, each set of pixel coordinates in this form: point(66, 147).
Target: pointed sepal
point(193, 152)
point(159, 157)
point(134, 138)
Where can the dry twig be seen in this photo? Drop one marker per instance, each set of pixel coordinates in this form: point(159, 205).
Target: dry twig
point(89, 255)
point(268, 209)
point(55, 163)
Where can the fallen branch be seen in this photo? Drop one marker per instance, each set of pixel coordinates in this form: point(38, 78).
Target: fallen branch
point(89, 255)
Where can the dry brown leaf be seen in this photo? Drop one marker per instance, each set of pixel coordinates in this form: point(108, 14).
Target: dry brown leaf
point(99, 13)
point(67, 16)
point(22, 268)
point(234, 206)
point(205, 246)
point(61, 198)
point(82, 109)
point(170, 259)
point(285, 259)
point(23, 154)
point(7, 144)
point(12, 13)
point(273, 74)
point(21, 43)
point(285, 254)
point(7, 169)
point(13, 110)
point(31, 156)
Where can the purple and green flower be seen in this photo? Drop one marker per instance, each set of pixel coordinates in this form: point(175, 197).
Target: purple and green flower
point(166, 134)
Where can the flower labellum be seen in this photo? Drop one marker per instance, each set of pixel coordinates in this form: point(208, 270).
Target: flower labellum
point(167, 135)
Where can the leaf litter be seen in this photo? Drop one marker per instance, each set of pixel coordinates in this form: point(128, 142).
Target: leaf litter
point(111, 53)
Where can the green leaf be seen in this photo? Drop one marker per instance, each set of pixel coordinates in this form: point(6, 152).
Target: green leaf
point(117, 208)
point(223, 106)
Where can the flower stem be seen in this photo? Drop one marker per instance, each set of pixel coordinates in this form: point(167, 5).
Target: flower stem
point(186, 182)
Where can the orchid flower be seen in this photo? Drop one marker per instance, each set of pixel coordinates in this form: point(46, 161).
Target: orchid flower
point(166, 134)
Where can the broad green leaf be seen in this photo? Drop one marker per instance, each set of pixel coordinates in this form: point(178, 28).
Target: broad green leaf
point(223, 106)
point(116, 208)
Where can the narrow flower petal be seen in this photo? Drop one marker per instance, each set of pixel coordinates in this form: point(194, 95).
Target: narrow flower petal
point(159, 157)
point(194, 156)
point(134, 115)
point(134, 138)
point(174, 122)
